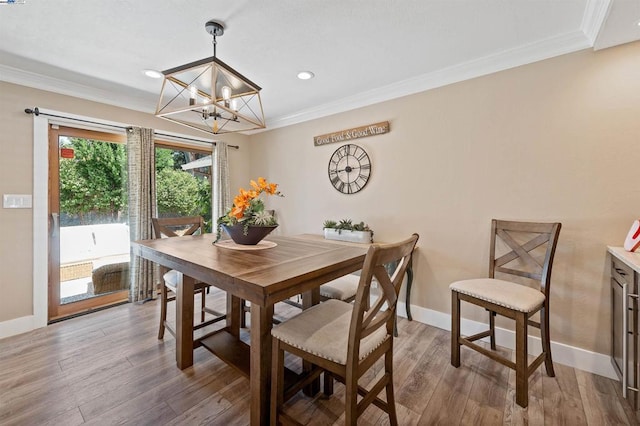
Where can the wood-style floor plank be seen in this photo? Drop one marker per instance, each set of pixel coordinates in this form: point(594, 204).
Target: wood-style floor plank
point(632, 415)
point(446, 405)
point(72, 417)
point(420, 385)
point(534, 413)
point(109, 368)
point(562, 400)
point(597, 391)
point(485, 405)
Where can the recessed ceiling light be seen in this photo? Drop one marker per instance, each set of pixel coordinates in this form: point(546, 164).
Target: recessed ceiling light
point(153, 73)
point(305, 75)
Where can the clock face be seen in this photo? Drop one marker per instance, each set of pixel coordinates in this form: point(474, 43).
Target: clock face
point(349, 169)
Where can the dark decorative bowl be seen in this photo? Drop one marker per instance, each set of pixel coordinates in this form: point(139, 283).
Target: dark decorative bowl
point(253, 237)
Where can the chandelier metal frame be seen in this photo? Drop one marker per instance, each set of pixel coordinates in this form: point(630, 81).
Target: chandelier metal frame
point(210, 96)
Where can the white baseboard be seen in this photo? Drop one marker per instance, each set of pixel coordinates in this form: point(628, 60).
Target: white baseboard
point(581, 359)
point(18, 326)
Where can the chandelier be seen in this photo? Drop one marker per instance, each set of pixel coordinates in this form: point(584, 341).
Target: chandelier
point(210, 96)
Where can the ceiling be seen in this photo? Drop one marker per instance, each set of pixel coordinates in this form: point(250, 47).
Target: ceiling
point(361, 51)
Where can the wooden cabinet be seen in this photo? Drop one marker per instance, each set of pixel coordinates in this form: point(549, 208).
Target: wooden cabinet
point(625, 352)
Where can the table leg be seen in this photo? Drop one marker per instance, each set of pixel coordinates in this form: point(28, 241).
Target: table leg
point(234, 315)
point(260, 376)
point(407, 294)
point(309, 299)
point(184, 321)
point(407, 300)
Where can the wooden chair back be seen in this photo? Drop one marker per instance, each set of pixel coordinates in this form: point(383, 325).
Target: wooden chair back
point(366, 320)
point(522, 238)
point(177, 226)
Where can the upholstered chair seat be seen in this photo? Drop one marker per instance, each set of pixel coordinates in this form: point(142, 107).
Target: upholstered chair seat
point(323, 330)
point(343, 288)
point(517, 297)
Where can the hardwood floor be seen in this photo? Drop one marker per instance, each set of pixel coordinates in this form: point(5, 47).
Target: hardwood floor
point(109, 368)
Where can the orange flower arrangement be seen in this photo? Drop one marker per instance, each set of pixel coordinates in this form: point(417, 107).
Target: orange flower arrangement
point(244, 199)
point(248, 208)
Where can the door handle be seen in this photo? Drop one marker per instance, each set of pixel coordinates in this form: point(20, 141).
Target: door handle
point(55, 224)
point(625, 337)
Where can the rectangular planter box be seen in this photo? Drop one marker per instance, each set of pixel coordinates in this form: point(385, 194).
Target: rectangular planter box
point(350, 236)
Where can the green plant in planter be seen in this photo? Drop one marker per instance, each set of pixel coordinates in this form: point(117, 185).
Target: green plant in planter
point(347, 225)
point(264, 218)
point(344, 225)
point(361, 227)
point(331, 224)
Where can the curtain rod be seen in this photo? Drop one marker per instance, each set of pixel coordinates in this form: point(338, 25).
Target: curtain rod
point(35, 111)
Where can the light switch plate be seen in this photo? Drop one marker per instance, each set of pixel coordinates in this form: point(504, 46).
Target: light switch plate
point(17, 201)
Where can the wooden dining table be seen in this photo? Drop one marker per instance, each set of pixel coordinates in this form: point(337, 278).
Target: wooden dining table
point(295, 265)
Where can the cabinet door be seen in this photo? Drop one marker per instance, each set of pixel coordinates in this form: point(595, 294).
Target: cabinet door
point(618, 291)
point(624, 320)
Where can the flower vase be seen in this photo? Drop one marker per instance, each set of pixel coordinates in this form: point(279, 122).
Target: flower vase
point(254, 235)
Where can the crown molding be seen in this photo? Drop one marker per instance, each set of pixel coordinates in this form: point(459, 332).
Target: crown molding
point(512, 58)
point(595, 15)
point(138, 101)
point(545, 49)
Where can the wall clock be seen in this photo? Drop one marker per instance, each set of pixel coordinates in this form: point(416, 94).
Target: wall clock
point(349, 169)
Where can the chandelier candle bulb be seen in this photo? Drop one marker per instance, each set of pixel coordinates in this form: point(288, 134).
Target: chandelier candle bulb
point(226, 93)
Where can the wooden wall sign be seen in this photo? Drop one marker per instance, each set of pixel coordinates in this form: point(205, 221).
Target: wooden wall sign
point(349, 134)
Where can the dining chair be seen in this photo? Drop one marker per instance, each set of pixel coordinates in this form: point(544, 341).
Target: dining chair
point(176, 227)
point(344, 340)
point(518, 250)
point(342, 288)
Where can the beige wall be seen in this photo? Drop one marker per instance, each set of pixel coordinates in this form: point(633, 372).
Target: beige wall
point(554, 140)
point(16, 177)
point(557, 140)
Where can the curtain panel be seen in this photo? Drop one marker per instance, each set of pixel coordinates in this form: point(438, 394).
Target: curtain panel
point(142, 207)
point(220, 190)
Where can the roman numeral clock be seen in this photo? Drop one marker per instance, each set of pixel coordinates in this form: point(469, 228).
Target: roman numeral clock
point(349, 169)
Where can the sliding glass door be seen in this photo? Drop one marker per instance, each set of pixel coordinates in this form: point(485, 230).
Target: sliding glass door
point(88, 230)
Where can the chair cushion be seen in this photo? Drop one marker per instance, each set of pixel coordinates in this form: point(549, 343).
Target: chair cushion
point(171, 280)
point(342, 288)
point(504, 293)
point(323, 330)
